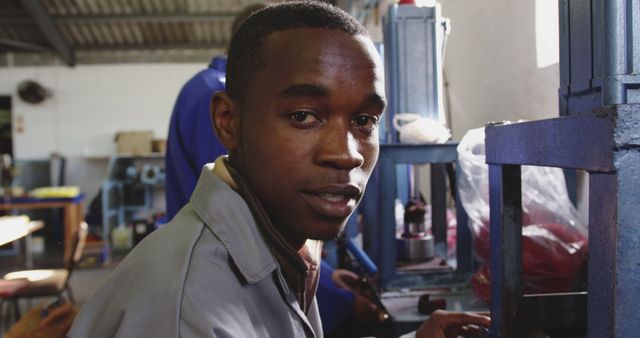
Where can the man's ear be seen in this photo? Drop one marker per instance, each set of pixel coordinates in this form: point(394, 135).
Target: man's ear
point(225, 116)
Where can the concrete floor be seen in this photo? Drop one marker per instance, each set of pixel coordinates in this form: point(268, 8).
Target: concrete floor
point(86, 279)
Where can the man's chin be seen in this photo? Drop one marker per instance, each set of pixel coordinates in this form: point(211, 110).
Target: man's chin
point(328, 233)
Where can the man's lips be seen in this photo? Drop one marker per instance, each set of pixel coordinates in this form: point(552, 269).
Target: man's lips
point(335, 200)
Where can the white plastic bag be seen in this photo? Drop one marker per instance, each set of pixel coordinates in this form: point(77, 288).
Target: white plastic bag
point(544, 192)
point(417, 129)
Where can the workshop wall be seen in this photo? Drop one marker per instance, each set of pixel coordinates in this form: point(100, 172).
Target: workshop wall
point(492, 67)
point(492, 57)
point(89, 104)
point(491, 62)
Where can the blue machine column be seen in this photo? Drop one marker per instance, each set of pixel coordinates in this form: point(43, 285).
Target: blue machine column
point(614, 235)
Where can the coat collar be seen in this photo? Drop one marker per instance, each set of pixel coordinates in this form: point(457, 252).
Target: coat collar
point(229, 218)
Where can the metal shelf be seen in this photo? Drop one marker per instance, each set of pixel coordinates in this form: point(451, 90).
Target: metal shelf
point(115, 211)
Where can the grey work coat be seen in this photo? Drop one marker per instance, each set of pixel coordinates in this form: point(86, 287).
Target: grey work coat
point(207, 273)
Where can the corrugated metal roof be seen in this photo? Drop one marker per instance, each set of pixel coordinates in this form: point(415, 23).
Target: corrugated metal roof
point(90, 26)
point(91, 31)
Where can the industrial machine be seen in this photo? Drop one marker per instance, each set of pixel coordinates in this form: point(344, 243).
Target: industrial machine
point(599, 101)
point(414, 39)
point(128, 191)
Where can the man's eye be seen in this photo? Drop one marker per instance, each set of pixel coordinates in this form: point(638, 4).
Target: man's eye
point(368, 122)
point(304, 117)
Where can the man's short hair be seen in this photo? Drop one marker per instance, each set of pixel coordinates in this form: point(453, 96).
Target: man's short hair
point(244, 13)
point(245, 50)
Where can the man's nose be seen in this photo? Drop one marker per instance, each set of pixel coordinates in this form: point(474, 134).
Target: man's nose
point(338, 148)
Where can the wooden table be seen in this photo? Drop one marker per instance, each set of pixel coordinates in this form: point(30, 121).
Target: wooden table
point(73, 213)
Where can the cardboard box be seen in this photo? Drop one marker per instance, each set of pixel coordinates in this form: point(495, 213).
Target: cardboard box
point(134, 142)
point(159, 146)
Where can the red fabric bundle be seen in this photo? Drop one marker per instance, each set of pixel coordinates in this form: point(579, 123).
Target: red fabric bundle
point(552, 256)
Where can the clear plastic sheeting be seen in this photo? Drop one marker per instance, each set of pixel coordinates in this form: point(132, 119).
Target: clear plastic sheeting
point(554, 237)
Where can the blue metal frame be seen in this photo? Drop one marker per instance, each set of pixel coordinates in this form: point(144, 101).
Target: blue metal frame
point(379, 213)
point(607, 146)
point(414, 38)
point(599, 67)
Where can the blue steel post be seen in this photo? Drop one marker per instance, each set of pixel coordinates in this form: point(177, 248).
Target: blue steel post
point(614, 234)
point(388, 195)
point(602, 254)
point(505, 198)
point(626, 317)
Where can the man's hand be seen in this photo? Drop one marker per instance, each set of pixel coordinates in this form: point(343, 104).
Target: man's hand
point(363, 309)
point(345, 279)
point(445, 324)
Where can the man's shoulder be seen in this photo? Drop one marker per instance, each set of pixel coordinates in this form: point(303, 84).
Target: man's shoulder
point(206, 80)
point(152, 276)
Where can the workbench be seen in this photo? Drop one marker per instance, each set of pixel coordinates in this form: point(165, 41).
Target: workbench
point(73, 213)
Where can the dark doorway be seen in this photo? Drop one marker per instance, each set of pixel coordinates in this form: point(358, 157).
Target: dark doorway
point(6, 141)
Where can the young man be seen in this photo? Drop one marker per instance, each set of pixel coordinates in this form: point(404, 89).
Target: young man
point(191, 144)
point(305, 91)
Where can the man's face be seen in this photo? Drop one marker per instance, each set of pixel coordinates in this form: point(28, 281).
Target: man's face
point(309, 129)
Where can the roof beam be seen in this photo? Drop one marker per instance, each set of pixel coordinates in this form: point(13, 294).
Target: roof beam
point(161, 46)
point(23, 45)
point(16, 20)
point(145, 18)
point(175, 17)
point(50, 30)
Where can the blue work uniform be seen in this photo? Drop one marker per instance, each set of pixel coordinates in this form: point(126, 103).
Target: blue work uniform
point(335, 304)
point(191, 143)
